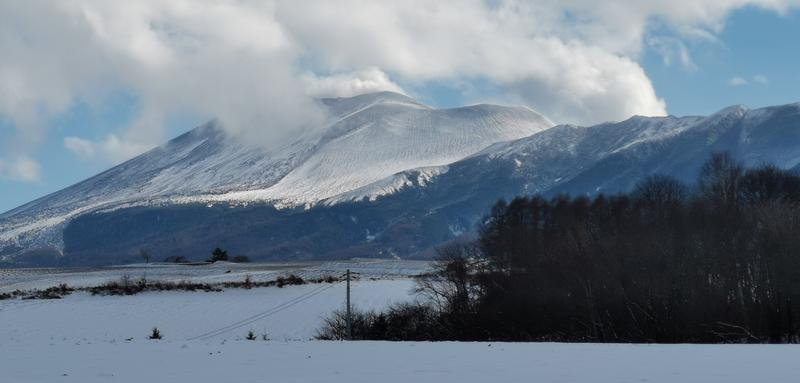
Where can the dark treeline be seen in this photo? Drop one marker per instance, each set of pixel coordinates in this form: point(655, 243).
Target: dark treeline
point(719, 262)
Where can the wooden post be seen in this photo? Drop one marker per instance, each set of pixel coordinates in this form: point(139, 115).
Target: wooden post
point(349, 315)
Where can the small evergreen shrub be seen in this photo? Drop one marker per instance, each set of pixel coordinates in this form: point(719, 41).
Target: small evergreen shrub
point(155, 334)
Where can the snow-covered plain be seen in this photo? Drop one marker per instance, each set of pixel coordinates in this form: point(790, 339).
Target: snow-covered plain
point(85, 361)
point(84, 338)
point(81, 339)
point(287, 313)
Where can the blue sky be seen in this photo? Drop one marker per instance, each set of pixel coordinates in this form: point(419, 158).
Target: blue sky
point(754, 61)
point(755, 42)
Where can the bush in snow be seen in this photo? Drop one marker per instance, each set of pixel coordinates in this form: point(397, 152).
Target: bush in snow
point(408, 322)
point(155, 334)
point(125, 287)
point(290, 280)
point(248, 282)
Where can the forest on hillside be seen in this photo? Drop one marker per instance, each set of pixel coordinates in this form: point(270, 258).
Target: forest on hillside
point(718, 261)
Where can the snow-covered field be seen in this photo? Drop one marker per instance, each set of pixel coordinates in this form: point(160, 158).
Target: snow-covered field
point(84, 338)
point(288, 313)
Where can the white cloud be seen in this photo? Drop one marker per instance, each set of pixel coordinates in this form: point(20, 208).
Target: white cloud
point(737, 81)
point(761, 79)
point(80, 146)
point(350, 84)
point(522, 48)
point(256, 65)
point(672, 51)
point(226, 60)
point(758, 79)
point(573, 60)
point(21, 168)
point(111, 147)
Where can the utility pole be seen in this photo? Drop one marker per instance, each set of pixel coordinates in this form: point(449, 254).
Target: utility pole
point(349, 315)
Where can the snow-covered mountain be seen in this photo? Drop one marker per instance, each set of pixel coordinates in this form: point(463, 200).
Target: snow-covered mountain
point(366, 139)
point(387, 176)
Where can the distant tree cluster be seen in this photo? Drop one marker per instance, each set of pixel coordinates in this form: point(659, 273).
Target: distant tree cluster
point(663, 263)
point(218, 255)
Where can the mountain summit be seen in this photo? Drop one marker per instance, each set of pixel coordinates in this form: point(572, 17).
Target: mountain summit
point(367, 140)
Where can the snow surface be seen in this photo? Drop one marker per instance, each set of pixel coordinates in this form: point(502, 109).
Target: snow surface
point(85, 339)
point(370, 362)
point(181, 315)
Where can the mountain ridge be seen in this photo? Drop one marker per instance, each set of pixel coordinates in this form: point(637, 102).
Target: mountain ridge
point(392, 203)
point(368, 138)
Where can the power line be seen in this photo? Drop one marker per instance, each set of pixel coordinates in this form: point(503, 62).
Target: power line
point(263, 314)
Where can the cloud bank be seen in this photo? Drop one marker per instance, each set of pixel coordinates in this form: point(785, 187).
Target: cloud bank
point(257, 66)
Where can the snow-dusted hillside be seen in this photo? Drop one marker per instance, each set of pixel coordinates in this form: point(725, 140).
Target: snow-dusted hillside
point(368, 138)
point(612, 157)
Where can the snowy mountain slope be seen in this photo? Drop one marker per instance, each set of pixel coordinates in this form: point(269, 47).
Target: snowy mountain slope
point(389, 138)
point(366, 139)
point(755, 137)
point(612, 157)
point(199, 161)
point(389, 177)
